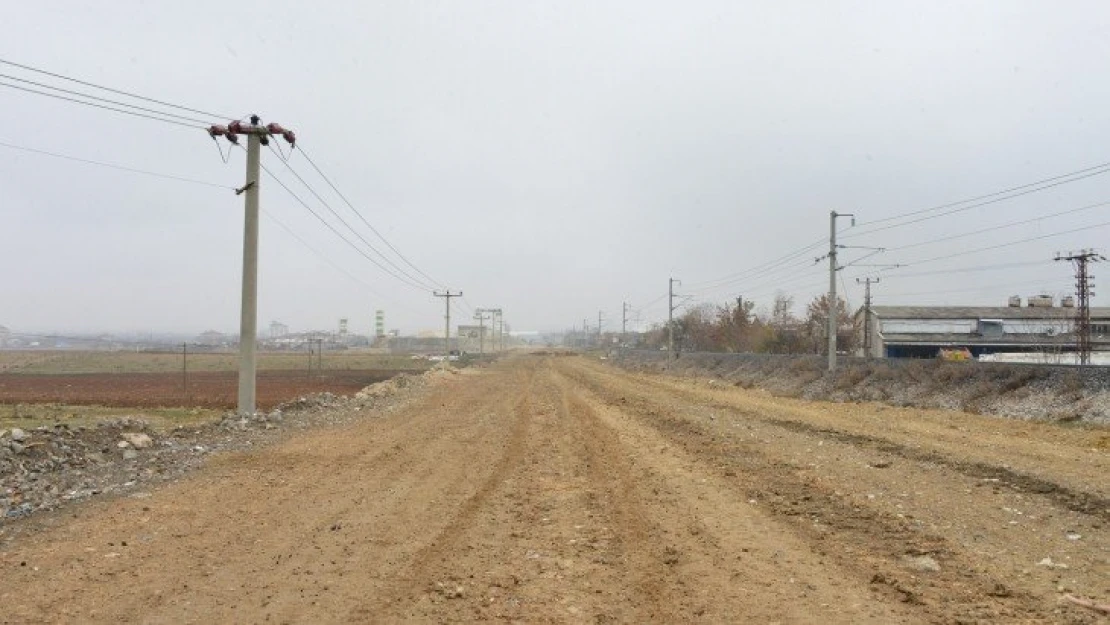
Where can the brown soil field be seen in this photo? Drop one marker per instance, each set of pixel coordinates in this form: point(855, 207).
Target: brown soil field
point(207, 389)
point(563, 490)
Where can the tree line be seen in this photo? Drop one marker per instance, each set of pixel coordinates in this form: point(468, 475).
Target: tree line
point(740, 327)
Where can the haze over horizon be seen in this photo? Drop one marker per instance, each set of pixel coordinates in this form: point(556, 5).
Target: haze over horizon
point(549, 159)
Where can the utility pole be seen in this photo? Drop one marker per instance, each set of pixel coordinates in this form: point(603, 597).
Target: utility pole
point(832, 286)
point(624, 323)
point(185, 369)
point(585, 334)
point(320, 355)
point(867, 282)
point(480, 315)
point(670, 315)
point(447, 295)
point(257, 136)
point(1083, 293)
point(495, 334)
point(740, 326)
point(599, 313)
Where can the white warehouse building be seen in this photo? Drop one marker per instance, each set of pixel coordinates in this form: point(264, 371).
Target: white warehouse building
point(922, 331)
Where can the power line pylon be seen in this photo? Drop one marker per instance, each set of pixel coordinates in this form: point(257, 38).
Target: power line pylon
point(867, 282)
point(257, 136)
point(1083, 293)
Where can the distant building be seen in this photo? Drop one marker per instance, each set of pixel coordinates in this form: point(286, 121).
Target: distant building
point(922, 331)
point(278, 329)
point(472, 339)
point(212, 338)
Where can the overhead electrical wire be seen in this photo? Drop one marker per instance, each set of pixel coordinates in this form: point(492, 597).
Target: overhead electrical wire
point(340, 234)
point(1007, 244)
point(709, 285)
point(351, 206)
point(117, 106)
point(201, 122)
point(319, 254)
point(114, 166)
point(100, 106)
point(999, 227)
point(939, 272)
point(865, 230)
point(977, 201)
point(334, 213)
point(1005, 285)
point(112, 90)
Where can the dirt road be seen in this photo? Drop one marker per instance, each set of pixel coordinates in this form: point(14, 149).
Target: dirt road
point(558, 489)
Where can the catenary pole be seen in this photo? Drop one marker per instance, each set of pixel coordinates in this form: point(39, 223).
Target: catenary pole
point(867, 282)
point(833, 308)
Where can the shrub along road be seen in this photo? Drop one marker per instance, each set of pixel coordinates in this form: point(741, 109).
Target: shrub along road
point(558, 489)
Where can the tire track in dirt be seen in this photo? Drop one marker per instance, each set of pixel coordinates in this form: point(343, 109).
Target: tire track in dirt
point(614, 495)
point(407, 585)
point(725, 561)
point(1081, 502)
point(856, 537)
point(1071, 499)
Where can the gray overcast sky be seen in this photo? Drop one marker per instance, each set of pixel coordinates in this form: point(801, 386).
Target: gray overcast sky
point(550, 158)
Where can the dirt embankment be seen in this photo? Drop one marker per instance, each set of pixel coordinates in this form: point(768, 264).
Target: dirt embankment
point(1010, 390)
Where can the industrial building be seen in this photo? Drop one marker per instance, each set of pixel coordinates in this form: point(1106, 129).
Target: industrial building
point(923, 331)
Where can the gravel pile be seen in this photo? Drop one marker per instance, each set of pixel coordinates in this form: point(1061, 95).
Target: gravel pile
point(46, 467)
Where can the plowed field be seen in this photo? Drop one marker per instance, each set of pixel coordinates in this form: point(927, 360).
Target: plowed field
point(208, 389)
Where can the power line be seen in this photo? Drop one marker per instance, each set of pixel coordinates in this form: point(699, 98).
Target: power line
point(338, 233)
point(1005, 285)
point(710, 285)
point(113, 166)
point(312, 249)
point(110, 89)
point(360, 216)
point(108, 100)
point(99, 106)
point(921, 274)
point(1008, 244)
point(1000, 227)
point(369, 245)
point(1104, 169)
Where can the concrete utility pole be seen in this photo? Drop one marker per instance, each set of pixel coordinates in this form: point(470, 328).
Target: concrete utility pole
point(739, 326)
point(867, 282)
point(599, 328)
point(447, 295)
point(185, 369)
point(495, 317)
point(832, 287)
point(1083, 293)
point(624, 323)
point(257, 136)
point(670, 315)
point(480, 315)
